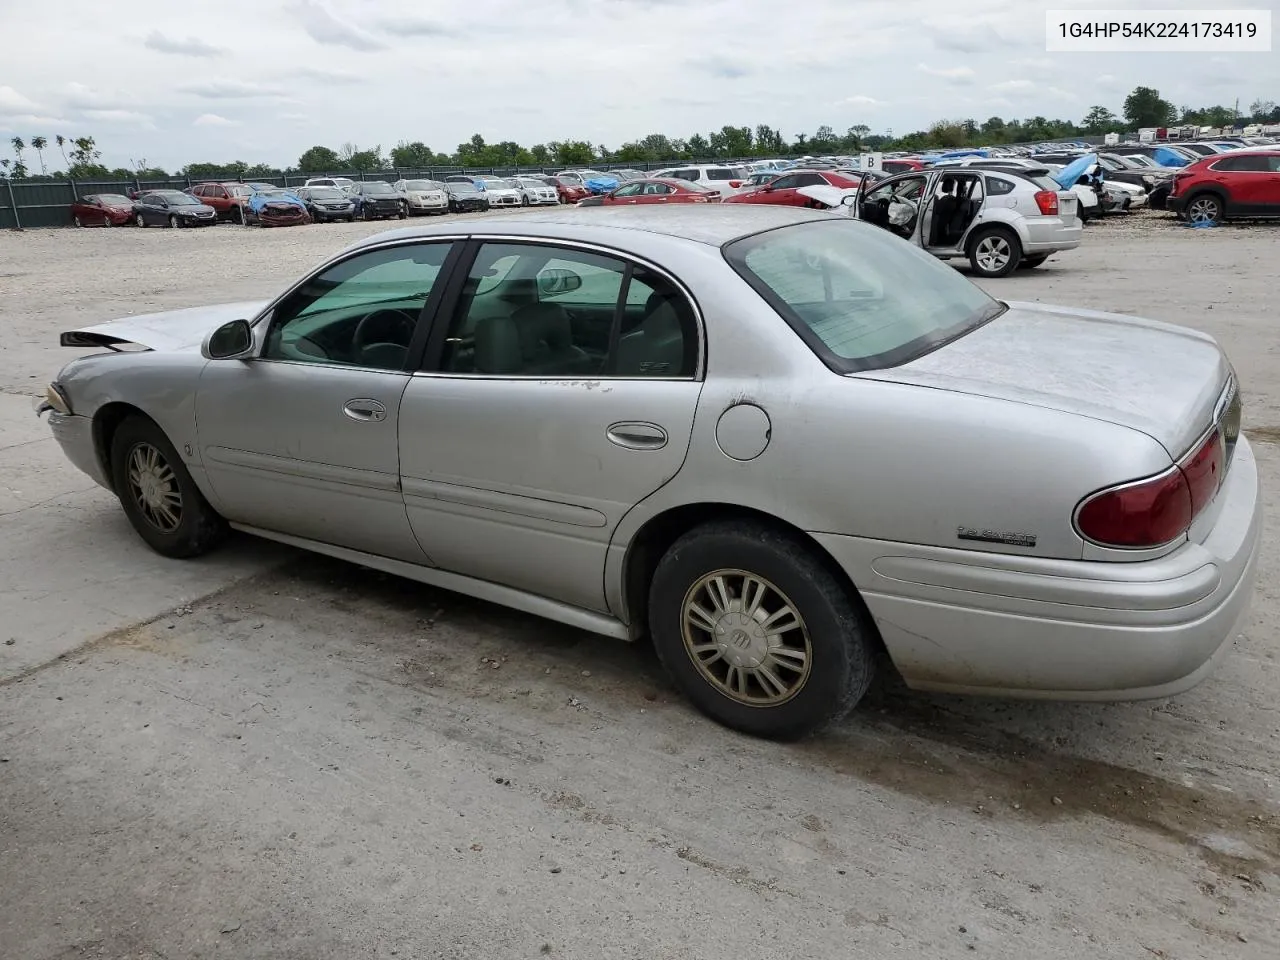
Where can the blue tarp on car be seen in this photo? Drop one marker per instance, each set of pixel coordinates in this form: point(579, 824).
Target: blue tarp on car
point(258, 200)
point(1074, 170)
point(602, 184)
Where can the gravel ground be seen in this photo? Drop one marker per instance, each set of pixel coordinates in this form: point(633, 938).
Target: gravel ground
point(264, 754)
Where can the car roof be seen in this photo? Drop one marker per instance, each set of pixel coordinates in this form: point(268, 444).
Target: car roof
point(701, 223)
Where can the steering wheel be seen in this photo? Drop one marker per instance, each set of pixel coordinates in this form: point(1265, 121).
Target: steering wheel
point(383, 327)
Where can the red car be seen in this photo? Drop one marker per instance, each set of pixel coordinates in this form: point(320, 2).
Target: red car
point(784, 190)
point(228, 199)
point(654, 190)
point(102, 210)
point(1228, 185)
point(570, 191)
point(901, 165)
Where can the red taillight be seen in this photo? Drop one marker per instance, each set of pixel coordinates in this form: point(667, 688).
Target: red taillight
point(1047, 201)
point(735, 183)
point(1143, 514)
point(1178, 180)
point(1203, 470)
point(1150, 513)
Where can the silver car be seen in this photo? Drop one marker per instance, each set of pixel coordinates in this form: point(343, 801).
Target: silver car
point(534, 192)
point(998, 220)
point(424, 197)
point(777, 442)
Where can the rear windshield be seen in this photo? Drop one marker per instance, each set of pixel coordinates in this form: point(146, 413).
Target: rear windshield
point(861, 301)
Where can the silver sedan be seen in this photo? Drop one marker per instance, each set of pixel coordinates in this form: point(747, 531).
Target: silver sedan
point(776, 442)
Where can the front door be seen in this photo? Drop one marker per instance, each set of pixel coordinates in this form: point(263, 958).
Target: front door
point(894, 204)
point(558, 395)
point(302, 438)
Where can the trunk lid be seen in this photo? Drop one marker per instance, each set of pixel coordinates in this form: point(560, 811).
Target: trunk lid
point(1154, 377)
point(173, 330)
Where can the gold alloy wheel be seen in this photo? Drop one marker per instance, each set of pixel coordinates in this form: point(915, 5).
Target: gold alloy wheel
point(746, 638)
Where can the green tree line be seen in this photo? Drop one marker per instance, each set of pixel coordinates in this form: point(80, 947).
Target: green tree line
point(1143, 107)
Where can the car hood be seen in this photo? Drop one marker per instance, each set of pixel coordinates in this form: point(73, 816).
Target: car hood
point(831, 196)
point(425, 194)
point(173, 330)
point(1153, 377)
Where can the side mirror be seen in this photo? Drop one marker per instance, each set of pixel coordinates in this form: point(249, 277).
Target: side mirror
point(558, 280)
point(231, 341)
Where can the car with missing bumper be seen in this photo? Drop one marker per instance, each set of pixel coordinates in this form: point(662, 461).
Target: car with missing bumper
point(778, 443)
point(275, 208)
point(998, 220)
point(327, 204)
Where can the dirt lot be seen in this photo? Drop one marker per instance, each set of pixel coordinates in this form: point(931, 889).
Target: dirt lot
point(264, 754)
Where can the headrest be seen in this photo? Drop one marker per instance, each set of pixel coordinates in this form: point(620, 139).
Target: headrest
point(542, 327)
point(498, 346)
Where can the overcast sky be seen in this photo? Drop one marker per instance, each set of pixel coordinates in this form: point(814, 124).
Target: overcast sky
point(262, 80)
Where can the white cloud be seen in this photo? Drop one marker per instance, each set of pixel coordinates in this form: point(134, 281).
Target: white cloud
point(860, 101)
point(119, 116)
point(1012, 86)
point(947, 73)
point(213, 120)
point(227, 89)
point(325, 27)
point(28, 120)
point(11, 101)
point(184, 46)
point(78, 96)
point(323, 75)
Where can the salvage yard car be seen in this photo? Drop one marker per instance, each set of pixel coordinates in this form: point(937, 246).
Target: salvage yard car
point(171, 208)
point(775, 441)
point(1228, 186)
point(998, 220)
point(422, 197)
point(102, 210)
point(275, 208)
point(654, 190)
point(326, 204)
point(376, 200)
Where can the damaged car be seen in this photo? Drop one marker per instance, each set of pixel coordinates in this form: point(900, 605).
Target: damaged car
point(812, 452)
point(275, 208)
point(422, 197)
point(997, 220)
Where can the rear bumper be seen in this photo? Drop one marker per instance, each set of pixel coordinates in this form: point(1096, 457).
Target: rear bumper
point(1049, 234)
point(993, 624)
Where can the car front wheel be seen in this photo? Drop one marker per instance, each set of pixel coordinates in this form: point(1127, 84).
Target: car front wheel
point(140, 220)
point(162, 502)
point(994, 252)
point(758, 632)
point(173, 222)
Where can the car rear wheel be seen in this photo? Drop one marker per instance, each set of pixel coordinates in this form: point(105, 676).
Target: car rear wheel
point(1204, 208)
point(76, 221)
point(1030, 263)
point(758, 632)
point(162, 502)
point(994, 252)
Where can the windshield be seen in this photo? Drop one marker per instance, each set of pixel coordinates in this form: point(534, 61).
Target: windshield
point(493, 183)
point(421, 185)
point(456, 187)
point(379, 188)
point(275, 195)
point(114, 200)
point(859, 302)
point(325, 193)
point(177, 199)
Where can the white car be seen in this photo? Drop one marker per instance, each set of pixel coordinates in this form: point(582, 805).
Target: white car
point(499, 192)
point(534, 192)
point(727, 179)
point(340, 182)
point(422, 196)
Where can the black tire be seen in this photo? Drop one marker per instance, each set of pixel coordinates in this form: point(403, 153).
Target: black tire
point(1203, 207)
point(1030, 263)
point(524, 199)
point(402, 214)
point(77, 222)
point(198, 527)
point(237, 216)
point(841, 660)
point(174, 222)
point(140, 220)
point(977, 245)
point(365, 215)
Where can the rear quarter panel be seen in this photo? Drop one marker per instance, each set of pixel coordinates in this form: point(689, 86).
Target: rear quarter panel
point(871, 459)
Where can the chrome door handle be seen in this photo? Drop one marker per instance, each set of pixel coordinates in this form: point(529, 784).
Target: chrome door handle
point(636, 435)
point(365, 410)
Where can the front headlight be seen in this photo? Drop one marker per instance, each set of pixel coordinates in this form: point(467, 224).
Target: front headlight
point(56, 398)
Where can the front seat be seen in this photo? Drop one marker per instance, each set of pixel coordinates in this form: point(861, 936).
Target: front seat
point(944, 210)
point(655, 347)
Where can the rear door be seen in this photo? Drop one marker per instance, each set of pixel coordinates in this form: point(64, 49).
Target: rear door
point(557, 391)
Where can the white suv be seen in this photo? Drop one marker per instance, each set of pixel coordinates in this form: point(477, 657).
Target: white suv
point(722, 177)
